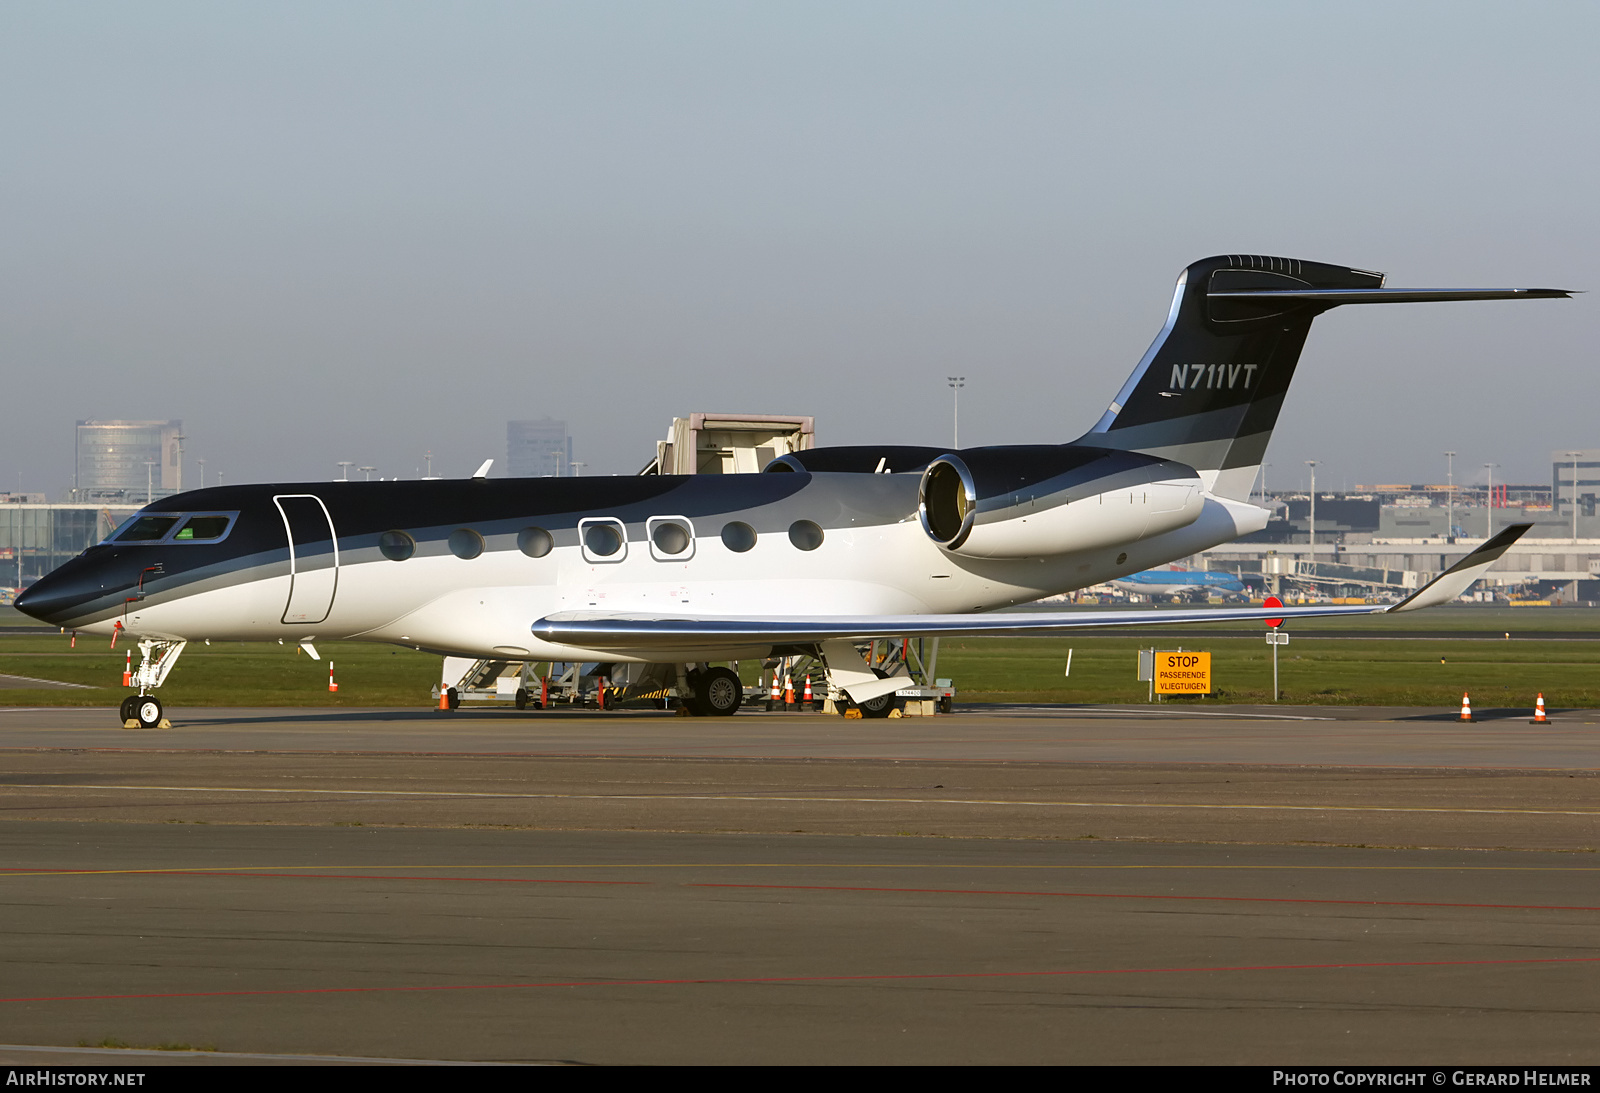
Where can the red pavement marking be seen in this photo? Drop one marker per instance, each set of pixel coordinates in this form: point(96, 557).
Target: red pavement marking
point(308, 876)
point(804, 979)
point(1138, 895)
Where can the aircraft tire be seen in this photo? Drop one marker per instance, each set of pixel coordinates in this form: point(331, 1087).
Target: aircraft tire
point(522, 698)
point(453, 698)
point(881, 706)
point(127, 708)
point(718, 692)
point(148, 710)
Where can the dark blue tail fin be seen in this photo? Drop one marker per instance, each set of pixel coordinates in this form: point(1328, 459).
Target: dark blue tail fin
point(1208, 391)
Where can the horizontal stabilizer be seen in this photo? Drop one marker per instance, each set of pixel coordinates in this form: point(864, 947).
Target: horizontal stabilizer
point(1334, 296)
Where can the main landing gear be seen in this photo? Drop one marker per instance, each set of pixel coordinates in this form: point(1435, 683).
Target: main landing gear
point(715, 692)
point(143, 710)
point(882, 706)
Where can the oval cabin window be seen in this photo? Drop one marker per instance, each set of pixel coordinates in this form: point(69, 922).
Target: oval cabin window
point(738, 537)
point(396, 546)
point(602, 539)
point(535, 542)
point(805, 535)
point(465, 543)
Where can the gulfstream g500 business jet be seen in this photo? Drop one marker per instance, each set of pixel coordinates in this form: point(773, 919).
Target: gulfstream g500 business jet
point(828, 547)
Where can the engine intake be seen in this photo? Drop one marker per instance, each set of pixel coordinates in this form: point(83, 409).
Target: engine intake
point(1027, 501)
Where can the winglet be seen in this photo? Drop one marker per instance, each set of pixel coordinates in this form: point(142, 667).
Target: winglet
point(483, 471)
point(1459, 577)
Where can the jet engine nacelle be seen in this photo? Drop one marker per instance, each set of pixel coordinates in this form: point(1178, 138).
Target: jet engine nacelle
point(1033, 501)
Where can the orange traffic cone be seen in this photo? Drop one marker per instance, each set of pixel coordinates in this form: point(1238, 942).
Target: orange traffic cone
point(772, 695)
point(807, 697)
point(444, 699)
point(127, 670)
point(788, 692)
point(1466, 707)
point(332, 686)
point(1539, 717)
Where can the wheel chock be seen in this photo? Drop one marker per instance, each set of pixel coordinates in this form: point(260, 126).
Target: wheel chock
point(852, 714)
point(896, 712)
point(131, 723)
point(164, 724)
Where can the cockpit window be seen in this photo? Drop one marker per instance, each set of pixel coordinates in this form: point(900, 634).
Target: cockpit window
point(147, 529)
point(202, 528)
point(175, 527)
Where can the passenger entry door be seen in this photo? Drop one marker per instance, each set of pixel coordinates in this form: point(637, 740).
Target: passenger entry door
point(313, 557)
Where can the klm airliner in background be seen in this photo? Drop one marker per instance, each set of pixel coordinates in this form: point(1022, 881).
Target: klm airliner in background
point(1175, 582)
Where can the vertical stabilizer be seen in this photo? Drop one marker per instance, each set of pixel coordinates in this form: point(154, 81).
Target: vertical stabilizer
point(1208, 391)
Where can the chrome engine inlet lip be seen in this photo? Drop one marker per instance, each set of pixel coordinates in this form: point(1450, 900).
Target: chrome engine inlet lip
point(965, 475)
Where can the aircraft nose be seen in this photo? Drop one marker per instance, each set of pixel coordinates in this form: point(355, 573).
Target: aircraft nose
point(62, 597)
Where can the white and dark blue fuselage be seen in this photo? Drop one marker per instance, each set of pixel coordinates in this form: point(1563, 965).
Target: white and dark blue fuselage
point(825, 548)
point(467, 568)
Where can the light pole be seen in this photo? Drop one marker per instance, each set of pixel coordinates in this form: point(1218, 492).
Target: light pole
point(560, 455)
point(367, 472)
point(202, 463)
point(577, 466)
point(1574, 457)
point(956, 383)
point(344, 469)
point(1312, 463)
point(1264, 467)
point(150, 475)
point(178, 440)
point(429, 457)
point(1450, 497)
point(1488, 508)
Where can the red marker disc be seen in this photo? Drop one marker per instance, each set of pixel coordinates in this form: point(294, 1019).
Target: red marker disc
point(1273, 601)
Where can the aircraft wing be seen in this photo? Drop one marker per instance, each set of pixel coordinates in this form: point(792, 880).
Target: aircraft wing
point(636, 632)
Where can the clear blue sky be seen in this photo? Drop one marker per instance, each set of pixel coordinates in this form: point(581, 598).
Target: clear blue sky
point(365, 230)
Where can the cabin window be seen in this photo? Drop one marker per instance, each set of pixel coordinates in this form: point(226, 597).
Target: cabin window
point(397, 546)
point(604, 540)
point(535, 542)
point(671, 538)
point(738, 537)
point(805, 535)
point(465, 543)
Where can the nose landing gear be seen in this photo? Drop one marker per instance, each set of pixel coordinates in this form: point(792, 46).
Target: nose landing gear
point(143, 710)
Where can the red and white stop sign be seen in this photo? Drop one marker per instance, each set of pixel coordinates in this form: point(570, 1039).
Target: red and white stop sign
point(1273, 601)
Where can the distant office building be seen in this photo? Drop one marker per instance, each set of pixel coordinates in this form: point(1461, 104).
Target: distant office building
point(128, 460)
point(538, 449)
point(1575, 468)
